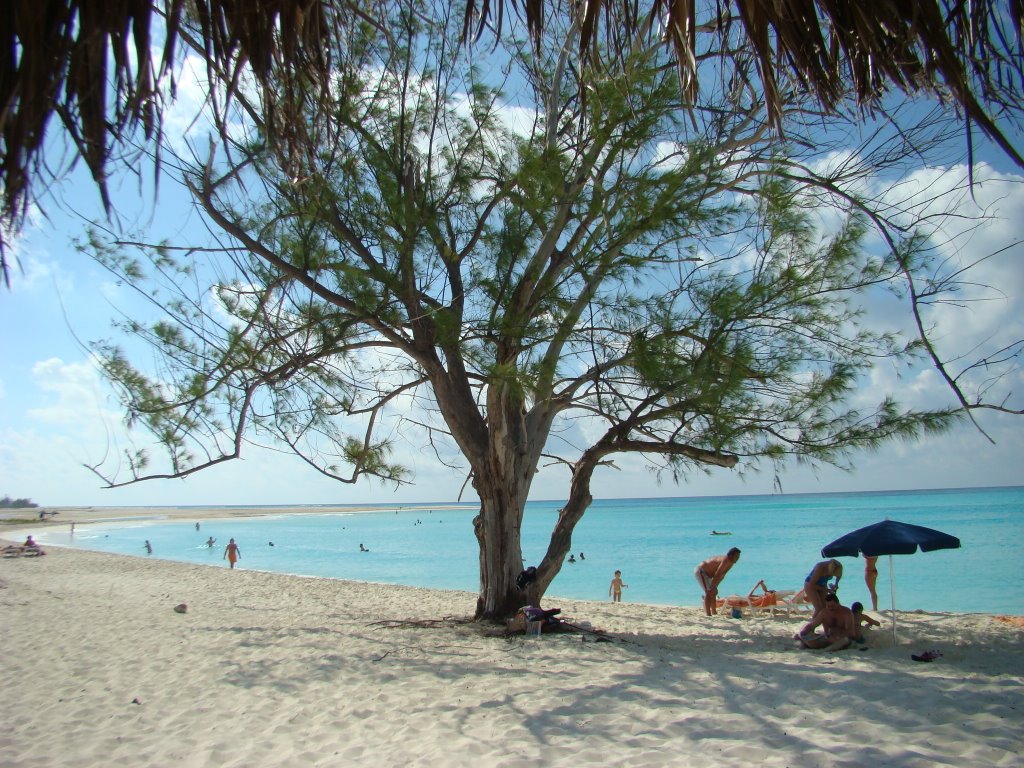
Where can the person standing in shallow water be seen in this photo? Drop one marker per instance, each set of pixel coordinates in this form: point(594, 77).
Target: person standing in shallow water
point(710, 574)
point(232, 553)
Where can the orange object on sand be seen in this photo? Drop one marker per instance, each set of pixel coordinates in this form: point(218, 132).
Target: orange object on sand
point(758, 601)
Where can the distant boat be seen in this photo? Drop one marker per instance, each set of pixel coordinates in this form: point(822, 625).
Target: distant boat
point(721, 533)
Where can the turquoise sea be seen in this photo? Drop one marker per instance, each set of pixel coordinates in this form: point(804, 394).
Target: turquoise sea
point(656, 543)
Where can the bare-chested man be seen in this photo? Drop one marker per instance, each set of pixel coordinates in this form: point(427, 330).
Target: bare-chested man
point(710, 574)
point(838, 625)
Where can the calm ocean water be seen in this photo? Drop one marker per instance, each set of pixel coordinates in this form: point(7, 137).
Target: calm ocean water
point(656, 543)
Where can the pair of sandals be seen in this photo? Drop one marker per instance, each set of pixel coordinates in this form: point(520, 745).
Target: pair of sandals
point(927, 656)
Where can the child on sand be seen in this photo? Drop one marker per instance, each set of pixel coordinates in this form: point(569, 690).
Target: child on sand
point(615, 588)
point(859, 620)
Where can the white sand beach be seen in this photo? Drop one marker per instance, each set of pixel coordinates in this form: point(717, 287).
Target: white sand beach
point(272, 670)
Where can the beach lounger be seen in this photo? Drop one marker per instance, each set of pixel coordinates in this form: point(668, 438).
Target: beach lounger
point(765, 602)
point(794, 602)
point(769, 601)
point(754, 603)
point(22, 551)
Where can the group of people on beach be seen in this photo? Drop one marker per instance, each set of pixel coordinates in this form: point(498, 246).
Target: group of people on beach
point(841, 626)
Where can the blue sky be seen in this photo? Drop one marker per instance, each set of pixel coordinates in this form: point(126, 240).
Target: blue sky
point(56, 414)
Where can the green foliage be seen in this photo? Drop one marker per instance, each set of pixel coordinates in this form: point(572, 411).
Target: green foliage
point(429, 269)
point(8, 503)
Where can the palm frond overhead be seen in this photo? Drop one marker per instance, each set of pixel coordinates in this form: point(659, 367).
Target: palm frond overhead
point(70, 57)
point(969, 54)
point(54, 59)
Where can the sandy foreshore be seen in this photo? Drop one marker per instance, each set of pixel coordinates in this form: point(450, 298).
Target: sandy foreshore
point(64, 516)
point(272, 670)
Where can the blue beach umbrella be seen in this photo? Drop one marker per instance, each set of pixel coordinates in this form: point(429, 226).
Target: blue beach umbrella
point(890, 537)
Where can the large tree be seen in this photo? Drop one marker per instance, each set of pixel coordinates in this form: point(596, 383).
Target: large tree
point(519, 267)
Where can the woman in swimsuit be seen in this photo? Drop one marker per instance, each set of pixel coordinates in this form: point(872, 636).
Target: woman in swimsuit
point(870, 577)
point(816, 584)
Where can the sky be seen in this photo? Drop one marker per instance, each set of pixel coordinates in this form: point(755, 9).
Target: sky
point(56, 414)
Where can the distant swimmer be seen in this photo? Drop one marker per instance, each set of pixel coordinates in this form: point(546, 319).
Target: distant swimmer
point(149, 547)
point(721, 533)
point(270, 543)
point(363, 549)
point(211, 541)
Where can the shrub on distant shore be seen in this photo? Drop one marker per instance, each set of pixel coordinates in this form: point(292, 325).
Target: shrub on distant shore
point(8, 503)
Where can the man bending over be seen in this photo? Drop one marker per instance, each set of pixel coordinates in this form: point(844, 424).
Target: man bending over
point(710, 574)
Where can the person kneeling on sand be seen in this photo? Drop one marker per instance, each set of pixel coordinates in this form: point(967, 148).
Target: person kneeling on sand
point(837, 623)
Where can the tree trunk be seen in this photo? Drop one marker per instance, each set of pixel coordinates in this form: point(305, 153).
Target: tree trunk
point(498, 532)
point(501, 558)
point(502, 481)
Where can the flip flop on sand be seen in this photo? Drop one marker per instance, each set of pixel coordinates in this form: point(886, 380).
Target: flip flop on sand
point(928, 656)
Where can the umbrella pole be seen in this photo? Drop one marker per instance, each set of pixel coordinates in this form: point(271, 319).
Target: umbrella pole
point(892, 599)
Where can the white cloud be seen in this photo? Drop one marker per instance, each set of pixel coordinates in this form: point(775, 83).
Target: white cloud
point(74, 386)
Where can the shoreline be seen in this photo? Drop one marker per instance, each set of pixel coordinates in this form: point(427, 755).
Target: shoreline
point(271, 670)
point(56, 516)
point(16, 524)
